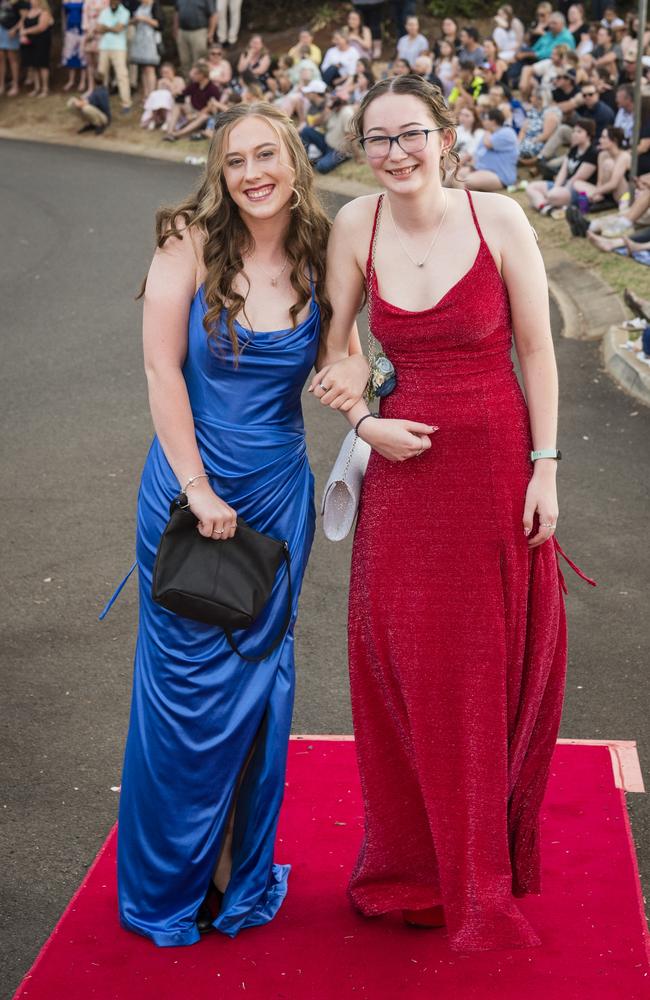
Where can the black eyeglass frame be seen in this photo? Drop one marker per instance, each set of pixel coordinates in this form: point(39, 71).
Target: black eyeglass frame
point(363, 139)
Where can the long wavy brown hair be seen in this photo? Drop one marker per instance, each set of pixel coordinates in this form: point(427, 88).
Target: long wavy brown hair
point(213, 213)
point(432, 98)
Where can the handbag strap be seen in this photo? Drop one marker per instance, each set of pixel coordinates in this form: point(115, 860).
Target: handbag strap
point(285, 625)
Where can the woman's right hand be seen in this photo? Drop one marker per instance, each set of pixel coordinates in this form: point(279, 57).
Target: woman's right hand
point(397, 440)
point(216, 519)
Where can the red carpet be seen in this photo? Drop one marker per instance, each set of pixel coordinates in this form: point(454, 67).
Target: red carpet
point(590, 916)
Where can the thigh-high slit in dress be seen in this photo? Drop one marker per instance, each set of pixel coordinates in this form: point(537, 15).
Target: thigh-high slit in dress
point(457, 635)
point(201, 717)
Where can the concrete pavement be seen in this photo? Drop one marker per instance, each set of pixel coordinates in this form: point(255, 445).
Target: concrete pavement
point(78, 234)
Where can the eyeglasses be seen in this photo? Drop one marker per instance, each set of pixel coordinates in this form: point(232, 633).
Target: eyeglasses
point(378, 146)
point(588, 93)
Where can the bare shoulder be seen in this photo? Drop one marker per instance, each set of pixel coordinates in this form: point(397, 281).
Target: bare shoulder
point(495, 208)
point(353, 225)
point(184, 251)
point(502, 220)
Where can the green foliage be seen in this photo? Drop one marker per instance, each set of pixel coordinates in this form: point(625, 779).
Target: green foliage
point(464, 9)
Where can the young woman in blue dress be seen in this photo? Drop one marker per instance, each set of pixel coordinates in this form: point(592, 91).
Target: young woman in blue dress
point(233, 309)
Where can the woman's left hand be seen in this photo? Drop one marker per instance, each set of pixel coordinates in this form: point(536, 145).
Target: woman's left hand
point(341, 384)
point(541, 498)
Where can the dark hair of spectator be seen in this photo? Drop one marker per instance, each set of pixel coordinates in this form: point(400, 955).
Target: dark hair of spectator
point(627, 88)
point(615, 135)
point(430, 96)
point(610, 33)
point(494, 115)
point(467, 64)
point(587, 125)
point(472, 32)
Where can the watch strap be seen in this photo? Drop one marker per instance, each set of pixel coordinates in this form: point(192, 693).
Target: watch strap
point(545, 453)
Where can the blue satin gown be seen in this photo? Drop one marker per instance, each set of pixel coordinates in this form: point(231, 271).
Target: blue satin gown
point(197, 708)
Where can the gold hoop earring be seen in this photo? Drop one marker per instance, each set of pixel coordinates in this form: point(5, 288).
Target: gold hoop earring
point(298, 198)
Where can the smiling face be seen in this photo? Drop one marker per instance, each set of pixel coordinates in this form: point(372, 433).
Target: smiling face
point(406, 173)
point(257, 169)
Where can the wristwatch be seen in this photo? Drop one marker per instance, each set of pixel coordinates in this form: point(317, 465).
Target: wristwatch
point(546, 453)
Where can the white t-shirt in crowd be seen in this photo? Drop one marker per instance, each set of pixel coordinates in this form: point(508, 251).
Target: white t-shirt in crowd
point(410, 48)
point(466, 141)
point(346, 61)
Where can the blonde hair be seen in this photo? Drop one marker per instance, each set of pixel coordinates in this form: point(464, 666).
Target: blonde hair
point(212, 211)
point(433, 100)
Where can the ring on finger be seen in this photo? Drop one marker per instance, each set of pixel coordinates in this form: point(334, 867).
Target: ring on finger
point(323, 387)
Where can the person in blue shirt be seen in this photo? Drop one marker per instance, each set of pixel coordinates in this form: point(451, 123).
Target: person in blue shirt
point(557, 34)
point(494, 164)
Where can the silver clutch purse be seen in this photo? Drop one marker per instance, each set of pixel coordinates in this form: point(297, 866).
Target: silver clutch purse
point(343, 488)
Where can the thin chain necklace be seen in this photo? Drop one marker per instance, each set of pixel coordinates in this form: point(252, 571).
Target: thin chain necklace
point(272, 278)
point(421, 263)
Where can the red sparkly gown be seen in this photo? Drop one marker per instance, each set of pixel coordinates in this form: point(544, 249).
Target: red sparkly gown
point(457, 632)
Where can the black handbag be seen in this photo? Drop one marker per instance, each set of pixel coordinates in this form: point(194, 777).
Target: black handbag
point(223, 583)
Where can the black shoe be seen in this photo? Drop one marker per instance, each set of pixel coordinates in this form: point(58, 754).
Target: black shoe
point(577, 223)
point(209, 909)
point(85, 128)
point(547, 172)
point(100, 129)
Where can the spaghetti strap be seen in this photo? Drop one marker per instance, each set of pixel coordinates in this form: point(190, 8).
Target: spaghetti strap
point(474, 216)
point(311, 283)
point(372, 235)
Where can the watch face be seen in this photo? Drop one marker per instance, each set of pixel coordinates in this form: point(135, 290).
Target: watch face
point(559, 455)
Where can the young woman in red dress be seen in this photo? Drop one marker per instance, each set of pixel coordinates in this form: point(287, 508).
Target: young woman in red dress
point(457, 637)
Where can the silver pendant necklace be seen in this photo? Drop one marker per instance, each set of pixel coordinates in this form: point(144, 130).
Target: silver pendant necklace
point(272, 278)
point(421, 263)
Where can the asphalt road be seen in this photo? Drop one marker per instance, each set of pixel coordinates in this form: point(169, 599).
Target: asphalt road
point(77, 239)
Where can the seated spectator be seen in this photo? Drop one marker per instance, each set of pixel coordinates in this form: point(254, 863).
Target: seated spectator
point(340, 60)
point(399, 67)
point(469, 82)
point(305, 69)
point(576, 22)
point(578, 164)
point(470, 48)
point(494, 164)
point(423, 66)
point(412, 44)
point(468, 134)
point(220, 67)
point(611, 19)
point(526, 54)
point(359, 36)
point(557, 34)
point(450, 33)
point(601, 80)
point(539, 125)
point(606, 53)
point(305, 38)
point(625, 115)
point(446, 65)
point(354, 88)
point(622, 223)
point(158, 105)
point(256, 60)
point(589, 105)
point(545, 71)
point(305, 102)
point(497, 66)
point(94, 110)
point(611, 185)
point(333, 144)
point(193, 113)
point(508, 34)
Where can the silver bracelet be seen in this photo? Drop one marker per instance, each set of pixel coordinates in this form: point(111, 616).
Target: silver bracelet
point(190, 482)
